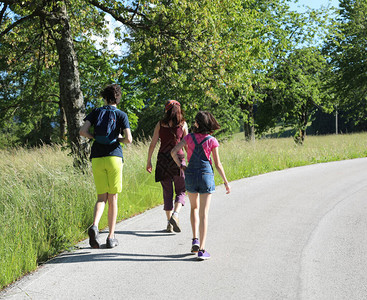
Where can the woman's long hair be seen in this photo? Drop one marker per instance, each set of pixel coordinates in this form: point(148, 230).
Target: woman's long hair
point(206, 123)
point(173, 114)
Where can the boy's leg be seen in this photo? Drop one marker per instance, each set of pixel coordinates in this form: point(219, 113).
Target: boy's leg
point(203, 214)
point(99, 208)
point(98, 211)
point(112, 214)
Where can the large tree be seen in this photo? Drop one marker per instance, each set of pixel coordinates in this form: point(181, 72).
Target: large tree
point(347, 49)
point(297, 92)
point(35, 35)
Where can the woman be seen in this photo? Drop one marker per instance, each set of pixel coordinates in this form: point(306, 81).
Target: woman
point(170, 131)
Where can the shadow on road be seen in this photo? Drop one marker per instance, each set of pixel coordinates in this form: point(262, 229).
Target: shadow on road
point(115, 256)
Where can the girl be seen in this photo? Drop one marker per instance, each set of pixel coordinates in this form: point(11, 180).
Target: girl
point(170, 130)
point(107, 159)
point(199, 176)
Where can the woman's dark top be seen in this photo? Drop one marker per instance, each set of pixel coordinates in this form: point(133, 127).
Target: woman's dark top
point(166, 166)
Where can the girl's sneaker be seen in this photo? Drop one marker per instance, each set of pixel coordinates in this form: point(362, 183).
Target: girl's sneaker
point(203, 255)
point(195, 246)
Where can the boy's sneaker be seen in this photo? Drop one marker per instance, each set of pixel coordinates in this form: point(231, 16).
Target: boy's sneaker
point(93, 236)
point(169, 227)
point(175, 223)
point(110, 243)
point(195, 246)
point(203, 255)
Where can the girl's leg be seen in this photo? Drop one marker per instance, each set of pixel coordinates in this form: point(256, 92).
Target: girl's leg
point(203, 214)
point(112, 214)
point(194, 213)
point(99, 208)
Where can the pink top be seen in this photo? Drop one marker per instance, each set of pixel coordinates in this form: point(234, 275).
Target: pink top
point(207, 146)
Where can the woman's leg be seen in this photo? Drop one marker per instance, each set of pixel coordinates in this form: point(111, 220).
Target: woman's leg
point(194, 213)
point(203, 214)
point(112, 214)
point(167, 187)
point(180, 190)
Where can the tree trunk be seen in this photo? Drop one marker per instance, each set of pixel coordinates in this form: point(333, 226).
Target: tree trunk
point(299, 137)
point(62, 121)
point(71, 96)
point(248, 125)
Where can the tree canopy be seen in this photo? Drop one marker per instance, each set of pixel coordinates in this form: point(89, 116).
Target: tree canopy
point(251, 62)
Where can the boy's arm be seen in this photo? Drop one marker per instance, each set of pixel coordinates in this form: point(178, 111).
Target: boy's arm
point(127, 138)
point(84, 130)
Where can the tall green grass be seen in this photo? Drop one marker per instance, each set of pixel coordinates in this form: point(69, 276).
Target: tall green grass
point(244, 159)
point(46, 205)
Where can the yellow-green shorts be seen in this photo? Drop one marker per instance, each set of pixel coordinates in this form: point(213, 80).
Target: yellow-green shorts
point(107, 173)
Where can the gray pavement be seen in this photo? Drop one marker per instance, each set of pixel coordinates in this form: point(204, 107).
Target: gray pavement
point(293, 234)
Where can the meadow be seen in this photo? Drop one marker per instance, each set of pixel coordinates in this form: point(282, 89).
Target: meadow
point(46, 205)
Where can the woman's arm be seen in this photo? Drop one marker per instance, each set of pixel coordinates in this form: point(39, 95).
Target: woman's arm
point(185, 132)
point(152, 145)
point(219, 167)
point(174, 152)
point(84, 130)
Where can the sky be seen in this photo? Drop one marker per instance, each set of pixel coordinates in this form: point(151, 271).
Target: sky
point(314, 4)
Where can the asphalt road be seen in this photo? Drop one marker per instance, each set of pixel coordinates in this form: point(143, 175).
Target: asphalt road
point(293, 234)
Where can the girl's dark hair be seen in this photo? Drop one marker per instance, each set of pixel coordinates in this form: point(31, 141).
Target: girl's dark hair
point(206, 123)
point(112, 94)
point(173, 114)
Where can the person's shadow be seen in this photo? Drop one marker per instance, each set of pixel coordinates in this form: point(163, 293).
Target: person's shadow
point(146, 233)
point(79, 257)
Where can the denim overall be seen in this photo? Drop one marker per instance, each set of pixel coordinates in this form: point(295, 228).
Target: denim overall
point(199, 176)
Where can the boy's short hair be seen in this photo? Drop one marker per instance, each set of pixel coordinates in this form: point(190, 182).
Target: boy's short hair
point(112, 94)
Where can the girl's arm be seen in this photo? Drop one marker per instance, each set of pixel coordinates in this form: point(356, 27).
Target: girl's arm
point(219, 167)
point(84, 130)
point(152, 145)
point(174, 152)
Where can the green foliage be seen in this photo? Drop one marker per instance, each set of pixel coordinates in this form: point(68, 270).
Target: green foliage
point(347, 48)
point(29, 68)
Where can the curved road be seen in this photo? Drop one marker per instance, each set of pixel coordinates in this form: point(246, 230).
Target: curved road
point(300, 233)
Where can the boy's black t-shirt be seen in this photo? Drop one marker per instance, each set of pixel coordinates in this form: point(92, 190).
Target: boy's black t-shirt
point(115, 149)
